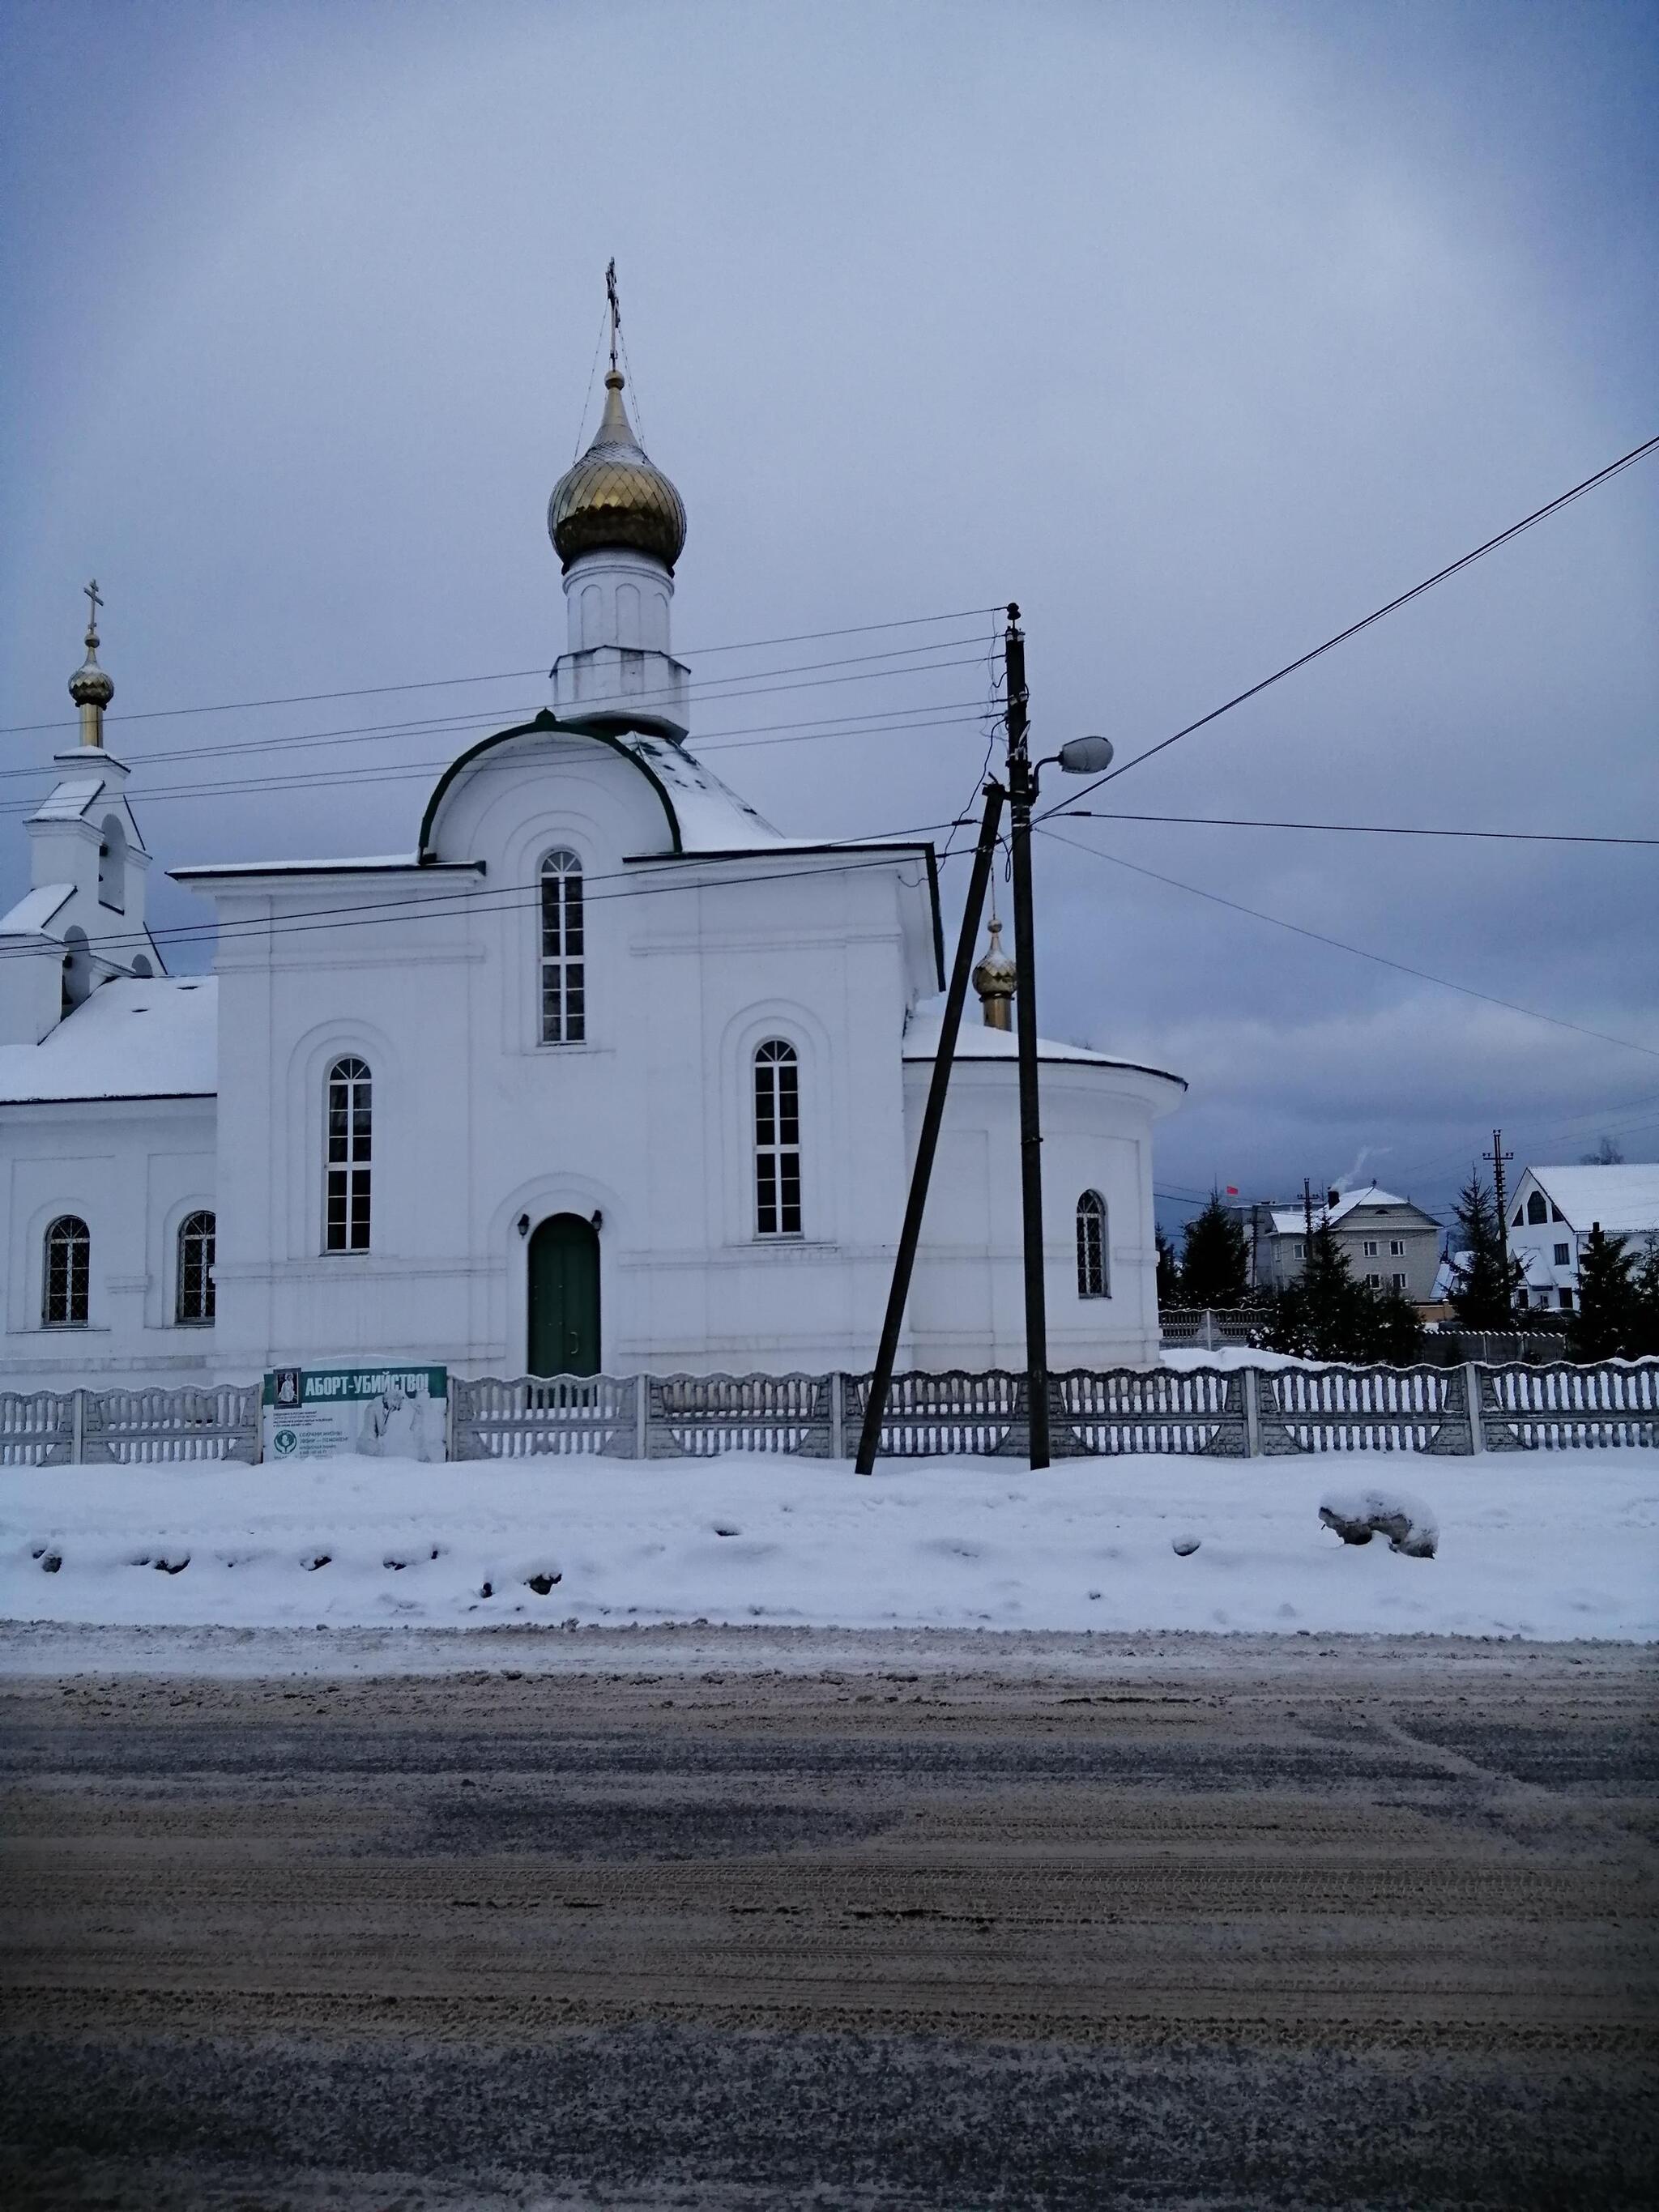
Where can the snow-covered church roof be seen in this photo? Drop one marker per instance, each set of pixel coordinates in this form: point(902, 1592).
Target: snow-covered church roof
point(153, 1037)
point(976, 1041)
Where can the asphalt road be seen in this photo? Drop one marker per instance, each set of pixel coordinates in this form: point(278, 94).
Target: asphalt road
point(1203, 1924)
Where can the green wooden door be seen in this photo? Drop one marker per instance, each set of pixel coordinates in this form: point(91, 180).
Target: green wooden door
point(564, 1296)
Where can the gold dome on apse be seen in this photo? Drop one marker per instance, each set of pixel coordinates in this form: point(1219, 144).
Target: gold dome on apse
point(615, 495)
point(996, 979)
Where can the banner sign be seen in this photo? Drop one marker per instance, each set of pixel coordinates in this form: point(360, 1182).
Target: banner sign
point(383, 1413)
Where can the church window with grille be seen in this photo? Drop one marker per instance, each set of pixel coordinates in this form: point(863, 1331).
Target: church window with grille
point(777, 1140)
point(1092, 1277)
point(351, 1152)
point(68, 1273)
point(197, 1238)
point(564, 988)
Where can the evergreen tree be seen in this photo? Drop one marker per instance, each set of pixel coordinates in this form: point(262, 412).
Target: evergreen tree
point(1605, 1323)
point(1644, 1338)
point(1168, 1273)
point(1481, 1297)
point(1324, 1314)
point(1316, 1313)
point(1215, 1260)
point(1392, 1326)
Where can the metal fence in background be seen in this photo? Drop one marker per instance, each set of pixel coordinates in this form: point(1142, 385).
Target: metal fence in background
point(1539, 1343)
point(1219, 1413)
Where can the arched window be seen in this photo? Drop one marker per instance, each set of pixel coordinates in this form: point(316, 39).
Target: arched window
point(1093, 1278)
point(777, 1140)
point(565, 995)
point(67, 1274)
point(112, 863)
point(197, 1235)
point(1536, 1209)
point(350, 1139)
point(77, 969)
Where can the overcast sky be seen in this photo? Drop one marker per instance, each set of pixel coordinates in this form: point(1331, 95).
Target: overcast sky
point(1200, 330)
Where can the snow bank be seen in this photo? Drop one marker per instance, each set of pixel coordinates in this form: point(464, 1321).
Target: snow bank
point(1555, 1546)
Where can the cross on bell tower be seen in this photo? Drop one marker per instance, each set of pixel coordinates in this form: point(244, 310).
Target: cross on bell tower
point(90, 687)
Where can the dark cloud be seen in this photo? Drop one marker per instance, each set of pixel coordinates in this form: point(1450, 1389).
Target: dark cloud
point(1200, 332)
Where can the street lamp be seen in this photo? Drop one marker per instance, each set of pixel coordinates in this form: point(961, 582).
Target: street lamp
point(1081, 756)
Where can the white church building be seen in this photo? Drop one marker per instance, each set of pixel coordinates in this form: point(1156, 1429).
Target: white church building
point(605, 1074)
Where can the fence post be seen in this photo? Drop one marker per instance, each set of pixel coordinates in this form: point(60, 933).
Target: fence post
point(1472, 1387)
point(1252, 1415)
point(837, 1417)
point(77, 1426)
point(642, 1416)
point(1207, 1330)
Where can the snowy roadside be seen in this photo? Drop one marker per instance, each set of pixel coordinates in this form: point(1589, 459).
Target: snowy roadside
point(1547, 1546)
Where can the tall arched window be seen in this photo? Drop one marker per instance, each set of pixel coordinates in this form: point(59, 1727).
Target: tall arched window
point(112, 865)
point(67, 1274)
point(1093, 1280)
point(777, 1140)
point(197, 1238)
point(78, 970)
point(351, 1143)
point(1536, 1209)
point(565, 995)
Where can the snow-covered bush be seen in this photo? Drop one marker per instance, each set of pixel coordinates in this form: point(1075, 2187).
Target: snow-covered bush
point(1357, 1515)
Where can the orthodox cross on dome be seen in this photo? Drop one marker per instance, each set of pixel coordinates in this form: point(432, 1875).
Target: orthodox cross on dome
point(616, 308)
point(90, 687)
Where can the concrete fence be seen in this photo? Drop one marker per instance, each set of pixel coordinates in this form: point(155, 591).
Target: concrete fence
point(1539, 1343)
point(1239, 1413)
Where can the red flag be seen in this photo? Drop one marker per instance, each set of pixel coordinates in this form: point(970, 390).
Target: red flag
point(1232, 1190)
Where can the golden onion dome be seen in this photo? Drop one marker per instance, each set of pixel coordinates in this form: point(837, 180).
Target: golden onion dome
point(615, 496)
point(90, 686)
point(996, 979)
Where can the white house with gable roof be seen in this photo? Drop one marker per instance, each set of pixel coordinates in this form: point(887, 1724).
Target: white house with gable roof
point(1553, 1210)
point(606, 1073)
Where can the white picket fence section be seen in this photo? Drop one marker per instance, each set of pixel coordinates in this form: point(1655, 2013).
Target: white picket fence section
point(1364, 1409)
point(1241, 1412)
point(129, 1428)
point(1565, 1408)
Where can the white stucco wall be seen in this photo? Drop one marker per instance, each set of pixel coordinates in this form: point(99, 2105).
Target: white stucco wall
point(131, 1170)
point(432, 978)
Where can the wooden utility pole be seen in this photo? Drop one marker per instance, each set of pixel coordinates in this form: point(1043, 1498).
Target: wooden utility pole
point(927, 1143)
point(1022, 790)
point(1497, 1156)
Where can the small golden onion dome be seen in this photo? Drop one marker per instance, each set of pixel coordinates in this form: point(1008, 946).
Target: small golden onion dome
point(615, 496)
point(996, 979)
point(89, 686)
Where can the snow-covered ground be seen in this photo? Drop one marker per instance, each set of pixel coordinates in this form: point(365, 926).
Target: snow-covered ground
point(1541, 1546)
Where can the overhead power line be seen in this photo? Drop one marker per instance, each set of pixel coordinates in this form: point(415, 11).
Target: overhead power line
point(1381, 959)
point(1392, 607)
point(406, 771)
point(498, 718)
point(439, 904)
point(501, 675)
point(1351, 829)
point(754, 688)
